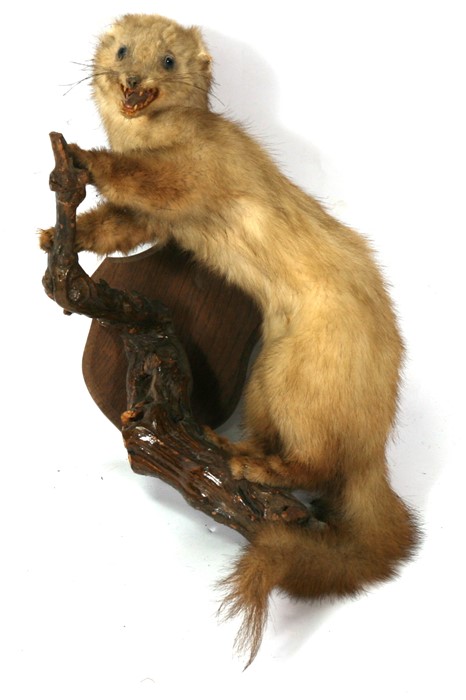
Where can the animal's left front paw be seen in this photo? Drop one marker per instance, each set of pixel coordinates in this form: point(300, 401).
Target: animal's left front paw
point(46, 238)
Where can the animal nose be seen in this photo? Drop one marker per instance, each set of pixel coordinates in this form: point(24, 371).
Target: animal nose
point(132, 81)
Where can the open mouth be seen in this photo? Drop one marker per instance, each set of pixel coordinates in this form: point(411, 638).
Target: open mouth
point(136, 99)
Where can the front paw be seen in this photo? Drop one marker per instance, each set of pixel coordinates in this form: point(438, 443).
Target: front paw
point(46, 237)
point(81, 159)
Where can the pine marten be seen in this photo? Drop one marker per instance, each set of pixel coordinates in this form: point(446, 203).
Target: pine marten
point(322, 396)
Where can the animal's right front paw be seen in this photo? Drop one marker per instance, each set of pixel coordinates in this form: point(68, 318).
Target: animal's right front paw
point(46, 237)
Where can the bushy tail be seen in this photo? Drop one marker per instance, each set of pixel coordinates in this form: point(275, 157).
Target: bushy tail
point(247, 595)
point(341, 559)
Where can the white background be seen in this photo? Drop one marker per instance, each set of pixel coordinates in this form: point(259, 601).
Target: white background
point(107, 585)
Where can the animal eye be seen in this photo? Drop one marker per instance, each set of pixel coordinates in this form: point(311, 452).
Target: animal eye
point(168, 62)
point(121, 53)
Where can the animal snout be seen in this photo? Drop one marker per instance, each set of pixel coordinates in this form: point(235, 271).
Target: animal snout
point(132, 81)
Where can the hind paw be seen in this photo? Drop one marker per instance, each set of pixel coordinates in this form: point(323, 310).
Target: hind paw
point(259, 471)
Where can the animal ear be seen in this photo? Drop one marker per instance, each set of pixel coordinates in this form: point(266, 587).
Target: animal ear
point(204, 59)
point(107, 40)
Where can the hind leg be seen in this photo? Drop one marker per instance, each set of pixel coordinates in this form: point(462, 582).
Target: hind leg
point(274, 471)
point(244, 447)
point(261, 435)
point(260, 469)
point(299, 449)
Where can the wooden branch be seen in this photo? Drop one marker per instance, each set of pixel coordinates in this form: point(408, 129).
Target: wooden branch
point(160, 434)
point(163, 440)
point(65, 281)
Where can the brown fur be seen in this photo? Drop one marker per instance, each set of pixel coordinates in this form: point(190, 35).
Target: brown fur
point(322, 396)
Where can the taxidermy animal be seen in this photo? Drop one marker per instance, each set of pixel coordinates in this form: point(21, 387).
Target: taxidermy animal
point(322, 395)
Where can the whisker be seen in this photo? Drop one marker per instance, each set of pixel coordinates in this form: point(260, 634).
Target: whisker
point(97, 70)
point(188, 82)
point(86, 64)
point(70, 86)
